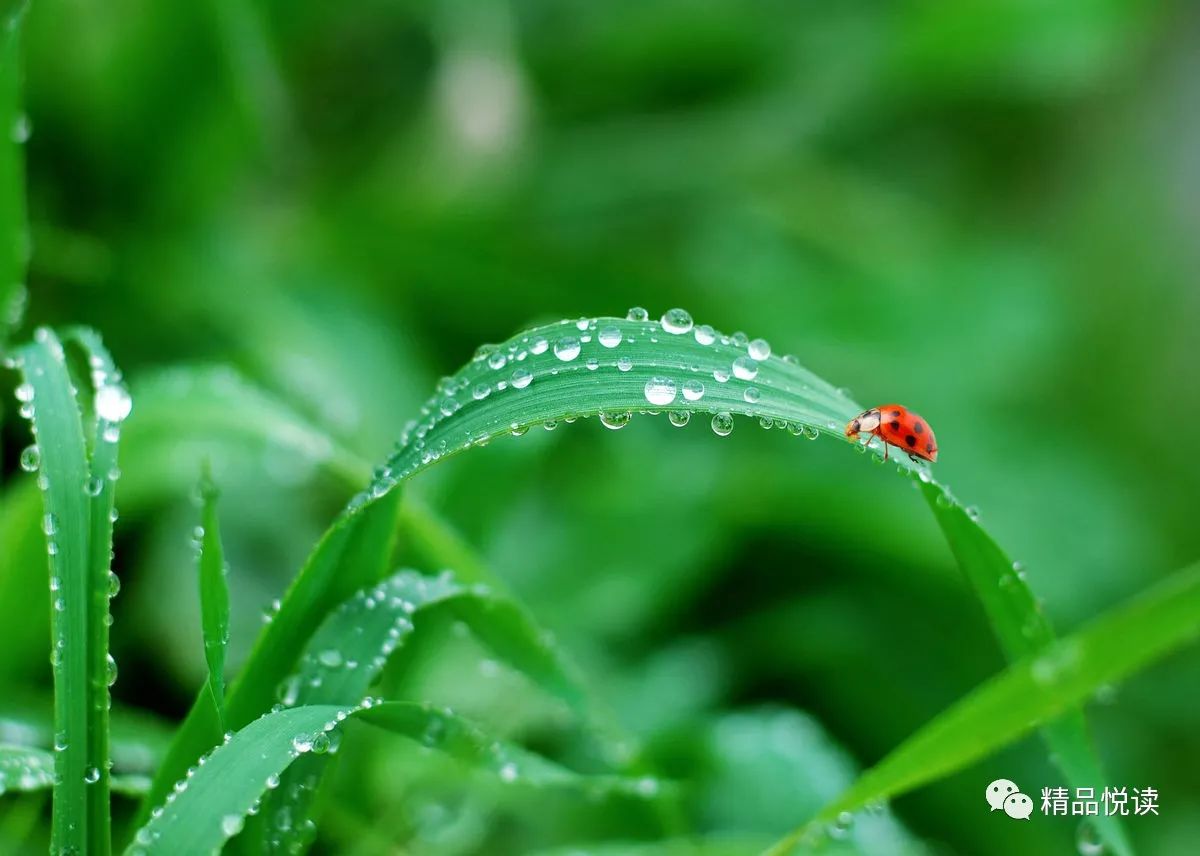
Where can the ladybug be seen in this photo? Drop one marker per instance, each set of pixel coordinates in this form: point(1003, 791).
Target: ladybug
point(898, 426)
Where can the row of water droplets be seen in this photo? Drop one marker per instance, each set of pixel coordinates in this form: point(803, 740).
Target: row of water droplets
point(111, 404)
point(597, 345)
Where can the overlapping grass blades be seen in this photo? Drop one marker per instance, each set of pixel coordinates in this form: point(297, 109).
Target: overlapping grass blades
point(76, 461)
point(211, 805)
point(1033, 690)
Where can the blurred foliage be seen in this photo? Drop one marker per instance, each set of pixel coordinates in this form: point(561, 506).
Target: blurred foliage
point(984, 210)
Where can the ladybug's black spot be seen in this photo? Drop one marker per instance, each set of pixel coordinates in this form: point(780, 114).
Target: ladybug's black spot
point(895, 425)
point(895, 414)
point(919, 427)
point(929, 447)
point(911, 440)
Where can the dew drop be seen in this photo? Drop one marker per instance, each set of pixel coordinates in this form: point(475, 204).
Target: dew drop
point(91, 775)
point(113, 403)
point(592, 364)
point(302, 743)
point(272, 782)
point(705, 334)
point(567, 348)
point(637, 313)
point(31, 458)
point(676, 321)
point(497, 360)
point(610, 336)
point(481, 391)
point(24, 393)
point(521, 378)
point(722, 424)
point(49, 524)
point(1087, 839)
point(539, 345)
point(679, 418)
point(320, 743)
point(508, 772)
point(972, 512)
point(93, 486)
point(330, 658)
point(752, 395)
point(615, 421)
point(660, 391)
point(624, 364)
point(745, 368)
point(110, 670)
point(758, 349)
point(693, 390)
point(231, 824)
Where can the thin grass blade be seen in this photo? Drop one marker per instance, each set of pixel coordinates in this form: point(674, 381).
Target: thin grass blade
point(14, 239)
point(348, 652)
point(1032, 691)
point(214, 593)
point(353, 553)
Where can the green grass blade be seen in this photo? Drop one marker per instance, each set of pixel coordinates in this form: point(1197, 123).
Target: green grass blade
point(351, 647)
point(353, 553)
point(77, 502)
point(210, 806)
point(214, 593)
point(1023, 629)
point(613, 367)
point(24, 768)
point(1032, 691)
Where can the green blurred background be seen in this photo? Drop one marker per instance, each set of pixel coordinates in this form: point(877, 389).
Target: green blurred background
point(985, 210)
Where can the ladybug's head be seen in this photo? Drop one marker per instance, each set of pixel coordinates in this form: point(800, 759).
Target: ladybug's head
point(868, 421)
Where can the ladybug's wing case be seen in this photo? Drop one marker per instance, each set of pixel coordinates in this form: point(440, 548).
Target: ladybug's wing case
point(905, 429)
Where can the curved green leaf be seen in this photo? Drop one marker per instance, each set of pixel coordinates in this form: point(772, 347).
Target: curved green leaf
point(353, 644)
point(1030, 692)
point(24, 768)
point(214, 593)
point(209, 805)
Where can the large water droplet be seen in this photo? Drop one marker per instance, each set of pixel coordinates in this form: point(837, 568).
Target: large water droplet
point(637, 313)
point(660, 390)
point(676, 321)
point(615, 421)
point(113, 403)
point(722, 424)
point(744, 368)
point(567, 348)
point(693, 390)
point(302, 743)
point(31, 458)
point(521, 378)
point(610, 336)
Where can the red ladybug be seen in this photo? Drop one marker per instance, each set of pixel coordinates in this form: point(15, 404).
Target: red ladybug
point(898, 426)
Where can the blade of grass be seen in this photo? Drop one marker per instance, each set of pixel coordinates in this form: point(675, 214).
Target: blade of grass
point(612, 367)
point(209, 806)
point(77, 525)
point(353, 553)
point(350, 649)
point(214, 593)
point(1032, 691)
point(1022, 629)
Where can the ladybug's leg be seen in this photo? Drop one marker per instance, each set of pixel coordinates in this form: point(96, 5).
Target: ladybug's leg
point(885, 449)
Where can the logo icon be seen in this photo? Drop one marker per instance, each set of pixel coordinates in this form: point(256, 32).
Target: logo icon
point(1004, 795)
